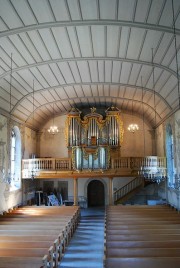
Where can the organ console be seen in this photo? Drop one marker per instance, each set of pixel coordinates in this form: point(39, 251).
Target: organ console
point(90, 139)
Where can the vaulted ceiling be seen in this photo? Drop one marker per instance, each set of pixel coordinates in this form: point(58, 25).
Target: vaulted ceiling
point(84, 53)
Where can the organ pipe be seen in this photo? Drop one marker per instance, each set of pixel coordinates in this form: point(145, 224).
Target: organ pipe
point(90, 153)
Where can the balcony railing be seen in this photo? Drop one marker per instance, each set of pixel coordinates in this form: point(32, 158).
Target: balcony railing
point(124, 166)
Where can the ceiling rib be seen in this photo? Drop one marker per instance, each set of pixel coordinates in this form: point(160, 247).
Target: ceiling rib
point(86, 59)
point(120, 23)
point(93, 83)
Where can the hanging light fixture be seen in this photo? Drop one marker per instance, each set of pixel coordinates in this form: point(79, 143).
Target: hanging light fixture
point(10, 176)
point(5, 177)
point(153, 174)
point(33, 173)
point(133, 127)
point(53, 129)
point(176, 184)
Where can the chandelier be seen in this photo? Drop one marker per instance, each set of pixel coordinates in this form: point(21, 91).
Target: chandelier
point(53, 129)
point(133, 127)
point(33, 173)
point(176, 184)
point(153, 173)
point(156, 174)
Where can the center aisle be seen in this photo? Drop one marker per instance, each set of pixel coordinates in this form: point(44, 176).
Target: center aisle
point(86, 248)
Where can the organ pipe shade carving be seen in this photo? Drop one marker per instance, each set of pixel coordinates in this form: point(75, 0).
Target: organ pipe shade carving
point(91, 138)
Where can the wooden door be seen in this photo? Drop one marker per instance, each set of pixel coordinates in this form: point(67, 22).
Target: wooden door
point(96, 194)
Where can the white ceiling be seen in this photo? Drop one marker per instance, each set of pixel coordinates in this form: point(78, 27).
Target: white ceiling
point(84, 53)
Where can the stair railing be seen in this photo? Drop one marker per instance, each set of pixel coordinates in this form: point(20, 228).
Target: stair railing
point(127, 188)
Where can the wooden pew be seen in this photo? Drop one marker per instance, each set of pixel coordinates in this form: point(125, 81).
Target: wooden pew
point(29, 252)
point(142, 231)
point(23, 262)
point(38, 233)
point(28, 241)
point(160, 262)
point(145, 237)
point(142, 236)
point(143, 244)
point(56, 250)
point(142, 252)
point(142, 226)
point(32, 231)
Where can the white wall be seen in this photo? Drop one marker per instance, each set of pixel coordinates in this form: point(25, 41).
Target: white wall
point(8, 199)
point(53, 145)
point(160, 140)
point(30, 143)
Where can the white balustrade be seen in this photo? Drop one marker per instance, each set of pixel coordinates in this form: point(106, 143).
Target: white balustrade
point(130, 164)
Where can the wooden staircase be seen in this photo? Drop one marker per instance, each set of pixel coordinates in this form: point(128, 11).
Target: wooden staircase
point(128, 190)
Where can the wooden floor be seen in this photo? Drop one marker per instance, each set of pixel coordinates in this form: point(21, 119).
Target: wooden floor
point(142, 237)
point(36, 236)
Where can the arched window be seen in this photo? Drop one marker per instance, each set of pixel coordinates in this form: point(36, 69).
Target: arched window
point(170, 154)
point(15, 170)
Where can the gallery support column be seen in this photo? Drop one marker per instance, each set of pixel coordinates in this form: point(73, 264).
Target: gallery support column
point(75, 191)
point(110, 191)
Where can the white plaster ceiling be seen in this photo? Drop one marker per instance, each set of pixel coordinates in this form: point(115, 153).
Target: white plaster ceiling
point(84, 53)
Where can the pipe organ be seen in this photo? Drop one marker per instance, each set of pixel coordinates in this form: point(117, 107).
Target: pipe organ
point(90, 139)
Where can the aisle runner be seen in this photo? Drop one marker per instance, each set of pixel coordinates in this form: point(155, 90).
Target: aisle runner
point(86, 249)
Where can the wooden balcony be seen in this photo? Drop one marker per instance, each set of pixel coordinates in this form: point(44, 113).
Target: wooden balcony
point(51, 168)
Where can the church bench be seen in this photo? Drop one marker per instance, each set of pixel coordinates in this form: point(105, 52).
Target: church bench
point(148, 262)
point(50, 224)
point(48, 214)
point(139, 210)
point(47, 210)
point(29, 237)
point(32, 235)
point(143, 231)
point(29, 252)
point(65, 227)
point(143, 244)
point(143, 217)
point(13, 244)
point(150, 222)
point(23, 262)
point(142, 226)
point(37, 225)
point(30, 232)
point(142, 237)
point(142, 214)
point(142, 252)
point(74, 211)
point(141, 207)
point(133, 215)
point(24, 244)
point(42, 220)
point(35, 241)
